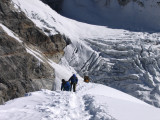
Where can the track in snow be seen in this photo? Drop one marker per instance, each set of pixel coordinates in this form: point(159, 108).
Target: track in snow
point(63, 106)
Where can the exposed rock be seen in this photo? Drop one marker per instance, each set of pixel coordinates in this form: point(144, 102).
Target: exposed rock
point(20, 72)
point(123, 2)
point(25, 28)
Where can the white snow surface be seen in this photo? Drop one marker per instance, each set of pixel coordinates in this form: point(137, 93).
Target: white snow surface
point(90, 102)
point(10, 33)
point(34, 53)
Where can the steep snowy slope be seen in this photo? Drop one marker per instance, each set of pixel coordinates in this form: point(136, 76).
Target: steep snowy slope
point(90, 102)
point(139, 15)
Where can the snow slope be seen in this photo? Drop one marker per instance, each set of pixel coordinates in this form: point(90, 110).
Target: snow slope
point(136, 15)
point(90, 102)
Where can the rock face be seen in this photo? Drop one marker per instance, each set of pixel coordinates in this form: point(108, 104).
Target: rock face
point(125, 2)
point(21, 25)
point(20, 72)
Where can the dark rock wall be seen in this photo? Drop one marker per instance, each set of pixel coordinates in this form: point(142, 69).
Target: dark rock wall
point(20, 72)
point(125, 2)
point(25, 28)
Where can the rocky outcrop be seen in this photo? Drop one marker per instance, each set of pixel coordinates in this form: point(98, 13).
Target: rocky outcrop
point(125, 2)
point(20, 72)
point(25, 28)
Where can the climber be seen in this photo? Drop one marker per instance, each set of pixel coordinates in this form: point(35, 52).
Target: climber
point(74, 81)
point(65, 86)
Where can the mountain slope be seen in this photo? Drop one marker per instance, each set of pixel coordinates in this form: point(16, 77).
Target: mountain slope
point(125, 60)
point(135, 15)
point(128, 61)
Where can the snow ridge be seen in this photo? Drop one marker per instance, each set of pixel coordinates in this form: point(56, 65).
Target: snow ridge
point(85, 104)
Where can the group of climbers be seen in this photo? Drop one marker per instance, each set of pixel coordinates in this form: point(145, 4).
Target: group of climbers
point(71, 83)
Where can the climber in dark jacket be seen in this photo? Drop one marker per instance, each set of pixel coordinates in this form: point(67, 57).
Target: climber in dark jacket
point(74, 81)
point(65, 86)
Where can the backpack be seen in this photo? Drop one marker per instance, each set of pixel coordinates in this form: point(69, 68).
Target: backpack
point(67, 86)
point(74, 79)
point(86, 79)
